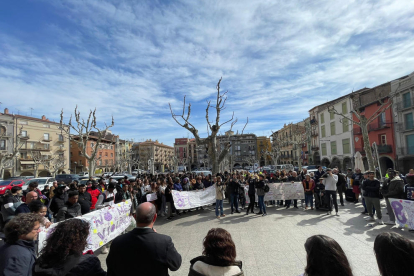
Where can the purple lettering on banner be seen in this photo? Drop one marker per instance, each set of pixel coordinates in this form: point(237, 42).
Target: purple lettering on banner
point(398, 210)
point(113, 228)
point(108, 216)
point(98, 220)
point(180, 201)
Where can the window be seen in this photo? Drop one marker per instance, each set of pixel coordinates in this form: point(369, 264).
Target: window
point(409, 123)
point(344, 108)
point(333, 128)
point(323, 133)
point(383, 139)
point(345, 125)
point(112, 147)
point(106, 154)
point(80, 162)
point(61, 156)
point(46, 146)
point(23, 122)
point(346, 147)
point(48, 126)
point(322, 118)
point(2, 144)
point(46, 136)
point(331, 115)
point(410, 143)
point(406, 99)
point(100, 154)
point(323, 149)
point(61, 137)
point(92, 144)
point(24, 133)
point(32, 145)
point(381, 120)
point(333, 148)
point(112, 155)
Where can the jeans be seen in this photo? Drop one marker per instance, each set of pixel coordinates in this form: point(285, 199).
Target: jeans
point(288, 202)
point(309, 200)
point(251, 203)
point(219, 203)
point(341, 192)
point(365, 206)
point(234, 198)
point(373, 202)
point(262, 206)
point(328, 198)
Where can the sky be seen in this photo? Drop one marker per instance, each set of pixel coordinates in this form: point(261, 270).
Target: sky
point(130, 59)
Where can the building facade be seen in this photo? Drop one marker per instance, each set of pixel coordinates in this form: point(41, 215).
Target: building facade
point(264, 145)
point(156, 156)
point(283, 139)
point(403, 111)
point(7, 141)
point(243, 150)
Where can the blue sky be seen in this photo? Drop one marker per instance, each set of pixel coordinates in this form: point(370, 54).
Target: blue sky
point(130, 59)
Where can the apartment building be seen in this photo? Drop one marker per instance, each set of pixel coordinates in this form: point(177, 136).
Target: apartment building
point(243, 150)
point(263, 145)
point(7, 141)
point(289, 152)
point(155, 155)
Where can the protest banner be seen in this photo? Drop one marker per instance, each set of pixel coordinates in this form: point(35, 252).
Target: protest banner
point(152, 197)
point(404, 212)
point(192, 199)
point(104, 225)
point(282, 191)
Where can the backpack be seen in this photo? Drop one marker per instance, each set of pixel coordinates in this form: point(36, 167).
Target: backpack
point(266, 188)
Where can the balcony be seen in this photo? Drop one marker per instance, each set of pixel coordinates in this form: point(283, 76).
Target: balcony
point(313, 121)
point(60, 149)
point(357, 131)
point(405, 151)
point(379, 125)
point(61, 140)
point(314, 148)
point(405, 127)
point(46, 140)
point(6, 135)
point(384, 149)
point(314, 133)
point(25, 137)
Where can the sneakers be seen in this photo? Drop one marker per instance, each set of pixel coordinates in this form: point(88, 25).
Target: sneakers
point(264, 215)
point(390, 222)
point(364, 213)
point(237, 211)
point(260, 213)
point(330, 212)
point(337, 214)
point(370, 219)
point(104, 250)
point(380, 221)
point(218, 217)
point(223, 215)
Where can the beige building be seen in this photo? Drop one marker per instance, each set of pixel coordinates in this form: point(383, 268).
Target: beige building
point(264, 145)
point(288, 152)
point(44, 147)
point(155, 155)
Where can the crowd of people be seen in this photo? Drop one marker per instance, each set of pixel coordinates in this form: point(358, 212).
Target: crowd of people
point(63, 252)
point(34, 208)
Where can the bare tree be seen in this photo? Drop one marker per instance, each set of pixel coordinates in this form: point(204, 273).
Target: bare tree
point(212, 127)
point(37, 161)
point(54, 164)
point(300, 136)
point(83, 130)
point(363, 122)
point(7, 159)
point(277, 144)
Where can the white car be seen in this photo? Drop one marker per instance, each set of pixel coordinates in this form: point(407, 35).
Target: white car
point(205, 173)
point(42, 181)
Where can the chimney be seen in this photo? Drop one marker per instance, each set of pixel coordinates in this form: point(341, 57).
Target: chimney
point(6, 111)
point(44, 118)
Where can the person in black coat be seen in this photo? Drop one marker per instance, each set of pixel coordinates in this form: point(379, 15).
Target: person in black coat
point(85, 199)
point(156, 252)
point(251, 193)
point(62, 254)
point(18, 253)
point(58, 200)
point(71, 209)
point(234, 193)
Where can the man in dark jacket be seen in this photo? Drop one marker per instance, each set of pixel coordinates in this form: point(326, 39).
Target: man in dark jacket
point(260, 185)
point(393, 187)
point(18, 254)
point(371, 188)
point(58, 200)
point(72, 208)
point(234, 194)
point(157, 253)
point(24, 207)
point(252, 195)
point(341, 185)
point(10, 203)
point(318, 175)
point(85, 199)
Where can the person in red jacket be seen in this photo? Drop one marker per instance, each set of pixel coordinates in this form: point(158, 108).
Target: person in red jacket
point(94, 191)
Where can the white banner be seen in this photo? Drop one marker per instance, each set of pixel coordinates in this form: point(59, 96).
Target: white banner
point(282, 191)
point(404, 212)
point(105, 225)
point(152, 197)
point(187, 200)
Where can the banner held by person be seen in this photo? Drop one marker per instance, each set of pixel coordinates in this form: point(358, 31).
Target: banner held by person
point(282, 191)
point(105, 225)
point(192, 199)
point(404, 212)
point(152, 197)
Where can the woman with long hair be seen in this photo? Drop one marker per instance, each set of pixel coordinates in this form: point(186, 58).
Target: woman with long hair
point(219, 256)
point(325, 257)
point(394, 253)
point(62, 254)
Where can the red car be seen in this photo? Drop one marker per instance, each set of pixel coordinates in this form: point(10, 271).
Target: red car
point(6, 185)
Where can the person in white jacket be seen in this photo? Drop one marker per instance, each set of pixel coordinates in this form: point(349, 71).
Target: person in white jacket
point(330, 180)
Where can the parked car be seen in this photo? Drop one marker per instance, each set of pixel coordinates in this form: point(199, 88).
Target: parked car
point(21, 177)
point(85, 180)
point(314, 168)
point(107, 174)
point(6, 185)
point(42, 181)
point(204, 172)
point(83, 174)
point(67, 178)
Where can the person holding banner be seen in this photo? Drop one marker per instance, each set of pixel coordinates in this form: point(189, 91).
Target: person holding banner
point(392, 188)
point(260, 194)
point(220, 189)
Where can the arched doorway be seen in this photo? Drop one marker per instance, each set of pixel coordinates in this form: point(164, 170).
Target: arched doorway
point(44, 174)
point(26, 174)
point(347, 164)
point(316, 158)
point(335, 163)
point(325, 162)
point(6, 175)
point(386, 163)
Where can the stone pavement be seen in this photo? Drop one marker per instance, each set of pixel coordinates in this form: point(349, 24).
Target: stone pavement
point(274, 245)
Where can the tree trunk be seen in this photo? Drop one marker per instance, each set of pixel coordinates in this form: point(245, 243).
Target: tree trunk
point(212, 152)
point(91, 167)
point(367, 144)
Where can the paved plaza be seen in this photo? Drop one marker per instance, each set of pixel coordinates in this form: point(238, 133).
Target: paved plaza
point(274, 245)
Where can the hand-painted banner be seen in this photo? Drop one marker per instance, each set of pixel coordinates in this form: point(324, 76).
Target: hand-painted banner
point(187, 200)
point(404, 212)
point(282, 191)
point(105, 225)
point(152, 197)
